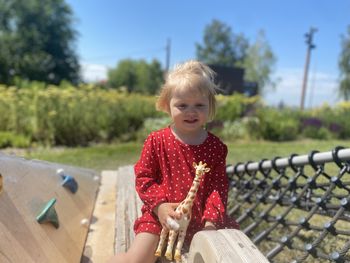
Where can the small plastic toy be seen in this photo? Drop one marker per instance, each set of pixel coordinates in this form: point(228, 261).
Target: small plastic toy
point(179, 226)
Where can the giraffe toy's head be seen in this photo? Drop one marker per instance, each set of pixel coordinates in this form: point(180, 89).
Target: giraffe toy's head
point(200, 169)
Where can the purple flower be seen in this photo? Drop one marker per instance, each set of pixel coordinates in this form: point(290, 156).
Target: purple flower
point(313, 122)
point(335, 128)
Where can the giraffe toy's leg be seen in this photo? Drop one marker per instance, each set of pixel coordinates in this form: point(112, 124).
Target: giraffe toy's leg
point(180, 242)
point(171, 241)
point(161, 243)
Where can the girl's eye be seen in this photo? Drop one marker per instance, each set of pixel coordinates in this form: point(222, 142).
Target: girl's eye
point(200, 106)
point(182, 106)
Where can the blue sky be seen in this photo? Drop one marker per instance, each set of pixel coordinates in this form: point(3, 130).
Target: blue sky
point(112, 30)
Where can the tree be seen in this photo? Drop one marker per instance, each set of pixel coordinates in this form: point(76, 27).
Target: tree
point(124, 74)
point(344, 66)
point(221, 45)
point(149, 77)
point(136, 76)
point(36, 41)
point(259, 62)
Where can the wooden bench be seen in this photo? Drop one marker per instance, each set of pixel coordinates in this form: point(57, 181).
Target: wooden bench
point(118, 213)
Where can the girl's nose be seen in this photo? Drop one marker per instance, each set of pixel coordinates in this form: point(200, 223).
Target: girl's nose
point(191, 109)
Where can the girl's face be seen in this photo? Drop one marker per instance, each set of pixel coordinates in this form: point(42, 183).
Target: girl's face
point(189, 110)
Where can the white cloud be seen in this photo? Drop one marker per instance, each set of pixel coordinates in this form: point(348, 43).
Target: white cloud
point(93, 72)
point(321, 88)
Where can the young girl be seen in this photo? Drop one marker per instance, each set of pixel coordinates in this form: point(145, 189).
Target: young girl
point(165, 173)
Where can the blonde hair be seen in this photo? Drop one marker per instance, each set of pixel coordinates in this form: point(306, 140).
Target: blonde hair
point(189, 75)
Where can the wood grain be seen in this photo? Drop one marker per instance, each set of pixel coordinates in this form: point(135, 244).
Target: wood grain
point(115, 216)
point(27, 186)
point(225, 246)
point(99, 245)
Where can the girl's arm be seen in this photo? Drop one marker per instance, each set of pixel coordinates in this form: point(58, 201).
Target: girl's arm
point(216, 201)
point(217, 192)
point(148, 176)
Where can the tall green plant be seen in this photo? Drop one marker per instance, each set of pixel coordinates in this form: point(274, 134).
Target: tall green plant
point(278, 125)
point(72, 116)
point(230, 108)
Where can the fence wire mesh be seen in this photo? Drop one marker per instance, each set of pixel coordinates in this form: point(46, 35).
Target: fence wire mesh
point(295, 209)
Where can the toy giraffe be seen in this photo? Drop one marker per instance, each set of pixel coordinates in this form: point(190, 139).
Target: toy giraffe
point(179, 226)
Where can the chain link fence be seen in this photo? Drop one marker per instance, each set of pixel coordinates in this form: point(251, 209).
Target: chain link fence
point(295, 209)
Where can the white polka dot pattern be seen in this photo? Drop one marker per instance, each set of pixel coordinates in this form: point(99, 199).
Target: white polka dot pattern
point(165, 173)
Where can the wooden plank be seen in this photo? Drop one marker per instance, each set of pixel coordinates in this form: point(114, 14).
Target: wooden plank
point(99, 246)
point(128, 208)
point(120, 228)
point(27, 186)
point(241, 244)
point(225, 246)
point(12, 255)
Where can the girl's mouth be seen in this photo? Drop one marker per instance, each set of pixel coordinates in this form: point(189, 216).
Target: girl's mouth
point(191, 121)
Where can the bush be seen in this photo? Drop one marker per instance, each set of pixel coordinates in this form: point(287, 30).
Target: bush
point(278, 125)
point(72, 116)
point(67, 115)
point(317, 133)
point(326, 123)
point(252, 125)
point(152, 124)
point(8, 139)
point(244, 128)
point(341, 120)
point(231, 108)
point(233, 130)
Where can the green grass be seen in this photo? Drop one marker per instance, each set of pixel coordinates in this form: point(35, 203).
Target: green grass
point(110, 157)
point(257, 150)
point(98, 157)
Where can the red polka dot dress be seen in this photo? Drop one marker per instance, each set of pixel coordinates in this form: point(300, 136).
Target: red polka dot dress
point(165, 173)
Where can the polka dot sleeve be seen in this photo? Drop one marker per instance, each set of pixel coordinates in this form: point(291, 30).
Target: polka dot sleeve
point(216, 201)
point(148, 176)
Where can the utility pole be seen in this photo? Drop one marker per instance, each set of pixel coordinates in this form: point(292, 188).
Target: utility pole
point(167, 55)
point(310, 46)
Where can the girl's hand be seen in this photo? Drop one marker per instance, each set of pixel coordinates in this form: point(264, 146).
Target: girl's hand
point(165, 210)
point(209, 226)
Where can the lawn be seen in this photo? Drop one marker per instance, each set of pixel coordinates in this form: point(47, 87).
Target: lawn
point(110, 157)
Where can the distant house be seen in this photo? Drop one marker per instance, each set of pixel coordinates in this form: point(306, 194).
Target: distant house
point(231, 80)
